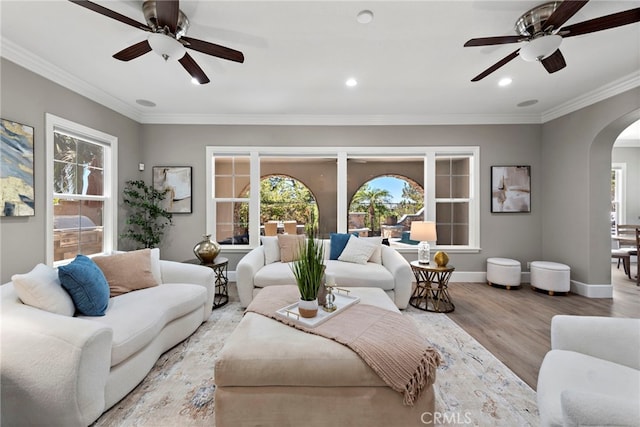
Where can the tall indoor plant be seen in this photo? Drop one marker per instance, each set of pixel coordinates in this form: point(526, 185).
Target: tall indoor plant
point(308, 270)
point(147, 218)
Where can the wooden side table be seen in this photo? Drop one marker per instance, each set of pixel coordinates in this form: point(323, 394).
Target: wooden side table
point(432, 288)
point(219, 266)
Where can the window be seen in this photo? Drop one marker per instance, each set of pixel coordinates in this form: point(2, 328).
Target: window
point(445, 178)
point(81, 180)
point(618, 203)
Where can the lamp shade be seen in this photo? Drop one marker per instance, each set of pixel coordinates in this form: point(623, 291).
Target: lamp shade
point(423, 231)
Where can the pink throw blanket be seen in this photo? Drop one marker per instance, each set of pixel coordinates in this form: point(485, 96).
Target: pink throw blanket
point(385, 340)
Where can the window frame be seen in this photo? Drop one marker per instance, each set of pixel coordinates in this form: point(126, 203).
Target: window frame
point(342, 154)
point(110, 181)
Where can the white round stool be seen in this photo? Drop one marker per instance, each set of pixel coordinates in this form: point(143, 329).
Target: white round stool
point(504, 272)
point(551, 277)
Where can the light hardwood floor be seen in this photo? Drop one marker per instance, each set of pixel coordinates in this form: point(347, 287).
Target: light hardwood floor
point(514, 325)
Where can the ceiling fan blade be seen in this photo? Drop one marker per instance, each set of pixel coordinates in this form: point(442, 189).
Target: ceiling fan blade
point(488, 41)
point(167, 11)
point(194, 69)
point(213, 49)
point(602, 23)
point(111, 14)
point(495, 66)
point(134, 51)
point(563, 13)
point(554, 62)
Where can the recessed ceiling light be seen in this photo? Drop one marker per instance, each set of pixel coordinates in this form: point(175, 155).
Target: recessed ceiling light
point(528, 103)
point(365, 16)
point(145, 103)
point(506, 81)
point(351, 82)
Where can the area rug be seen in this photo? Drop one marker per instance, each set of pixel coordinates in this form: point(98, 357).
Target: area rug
point(472, 388)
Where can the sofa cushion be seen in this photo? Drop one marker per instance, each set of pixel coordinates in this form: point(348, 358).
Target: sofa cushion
point(376, 256)
point(357, 250)
point(567, 370)
point(290, 246)
point(361, 275)
point(137, 317)
point(271, 249)
point(86, 284)
point(41, 288)
point(582, 409)
point(127, 271)
point(277, 273)
point(337, 242)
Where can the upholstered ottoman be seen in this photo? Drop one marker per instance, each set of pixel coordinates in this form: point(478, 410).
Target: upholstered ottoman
point(503, 272)
point(552, 277)
point(271, 374)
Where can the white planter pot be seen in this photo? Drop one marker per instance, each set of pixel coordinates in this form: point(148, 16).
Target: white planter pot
point(308, 309)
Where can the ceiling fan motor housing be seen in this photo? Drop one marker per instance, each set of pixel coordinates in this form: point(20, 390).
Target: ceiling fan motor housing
point(151, 16)
point(532, 23)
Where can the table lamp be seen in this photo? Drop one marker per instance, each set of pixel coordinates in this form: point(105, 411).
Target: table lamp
point(424, 232)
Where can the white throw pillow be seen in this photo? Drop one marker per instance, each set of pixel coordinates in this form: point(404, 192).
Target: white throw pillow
point(155, 265)
point(377, 254)
point(271, 249)
point(41, 288)
point(358, 250)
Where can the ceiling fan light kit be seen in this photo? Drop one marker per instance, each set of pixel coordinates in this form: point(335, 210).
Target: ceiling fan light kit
point(541, 29)
point(167, 47)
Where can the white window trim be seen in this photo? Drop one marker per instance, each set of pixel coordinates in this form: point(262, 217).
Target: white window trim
point(342, 154)
point(109, 217)
point(621, 191)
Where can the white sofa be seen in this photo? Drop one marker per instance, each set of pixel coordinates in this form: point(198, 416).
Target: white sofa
point(393, 274)
point(60, 370)
point(591, 376)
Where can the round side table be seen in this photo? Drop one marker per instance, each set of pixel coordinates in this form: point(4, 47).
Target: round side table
point(432, 288)
point(219, 266)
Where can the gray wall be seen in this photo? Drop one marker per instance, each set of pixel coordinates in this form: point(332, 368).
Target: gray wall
point(26, 97)
point(570, 158)
point(576, 159)
point(501, 234)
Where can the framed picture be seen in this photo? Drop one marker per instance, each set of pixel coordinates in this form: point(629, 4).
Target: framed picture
point(16, 169)
point(510, 188)
point(176, 180)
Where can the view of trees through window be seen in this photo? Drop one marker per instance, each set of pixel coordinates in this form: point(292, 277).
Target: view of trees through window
point(385, 206)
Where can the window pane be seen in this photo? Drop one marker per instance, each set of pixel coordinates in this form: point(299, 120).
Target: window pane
point(77, 228)
point(65, 177)
point(231, 176)
point(232, 222)
point(78, 166)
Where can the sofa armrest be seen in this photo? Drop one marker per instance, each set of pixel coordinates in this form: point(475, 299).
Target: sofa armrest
point(614, 339)
point(246, 270)
point(581, 408)
point(400, 268)
point(54, 368)
point(180, 272)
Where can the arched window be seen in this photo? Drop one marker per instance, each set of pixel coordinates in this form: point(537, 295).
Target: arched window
point(385, 206)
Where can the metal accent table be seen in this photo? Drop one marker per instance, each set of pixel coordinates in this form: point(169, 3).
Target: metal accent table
point(219, 266)
point(432, 291)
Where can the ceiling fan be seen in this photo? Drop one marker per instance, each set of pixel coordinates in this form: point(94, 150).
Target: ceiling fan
point(168, 27)
point(541, 31)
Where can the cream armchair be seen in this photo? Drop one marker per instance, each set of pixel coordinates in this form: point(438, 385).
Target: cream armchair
point(591, 376)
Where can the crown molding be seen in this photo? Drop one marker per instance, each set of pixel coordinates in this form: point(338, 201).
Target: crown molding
point(28, 60)
point(616, 87)
point(31, 62)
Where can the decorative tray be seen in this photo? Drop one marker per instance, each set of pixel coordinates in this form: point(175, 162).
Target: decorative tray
point(342, 302)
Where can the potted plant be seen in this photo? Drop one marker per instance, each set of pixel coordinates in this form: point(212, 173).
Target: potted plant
point(309, 271)
point(147, 219)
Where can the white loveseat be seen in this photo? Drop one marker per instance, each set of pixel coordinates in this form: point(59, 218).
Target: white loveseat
point(591, 376)
point(64, 370)
point(392, 274)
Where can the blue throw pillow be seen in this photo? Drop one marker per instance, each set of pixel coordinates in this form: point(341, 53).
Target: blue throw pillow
point(86, 284)
point(337, 242)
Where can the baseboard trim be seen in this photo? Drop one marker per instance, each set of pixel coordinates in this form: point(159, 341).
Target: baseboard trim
point(480, 276)
point(592, 291)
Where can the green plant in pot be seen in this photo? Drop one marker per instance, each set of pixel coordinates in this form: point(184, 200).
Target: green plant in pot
point(309, 273)
point(147, 218)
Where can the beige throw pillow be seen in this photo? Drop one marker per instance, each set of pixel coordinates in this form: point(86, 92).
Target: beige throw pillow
point(127, 271)
point(290, 246)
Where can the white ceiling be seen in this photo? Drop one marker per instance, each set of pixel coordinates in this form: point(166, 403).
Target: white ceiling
point(409, 61)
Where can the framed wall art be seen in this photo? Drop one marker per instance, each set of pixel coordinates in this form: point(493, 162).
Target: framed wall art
point(16, 169)
point(510, 188)
point(176, 180)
